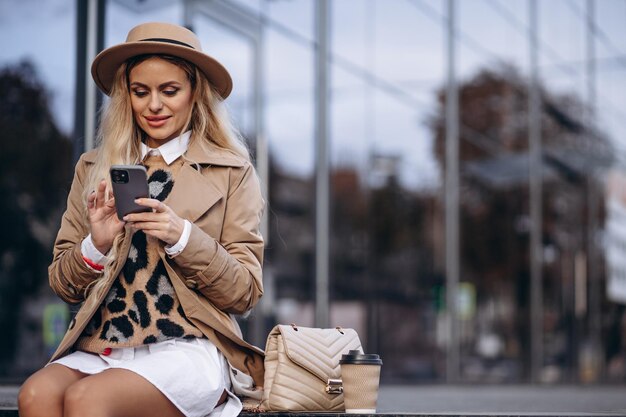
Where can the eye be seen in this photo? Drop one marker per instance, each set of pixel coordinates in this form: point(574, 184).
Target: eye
point(170, 91)
point(140, 93)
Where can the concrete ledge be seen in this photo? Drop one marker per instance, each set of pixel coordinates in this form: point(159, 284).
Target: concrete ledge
point(461, 400)
point(267, 414)
point(12, 412)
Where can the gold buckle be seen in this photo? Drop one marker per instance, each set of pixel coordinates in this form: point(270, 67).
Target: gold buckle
point(334, 386)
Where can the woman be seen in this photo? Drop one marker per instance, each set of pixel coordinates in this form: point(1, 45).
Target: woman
point(155, 333)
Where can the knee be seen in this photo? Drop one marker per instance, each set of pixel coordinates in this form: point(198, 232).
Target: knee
point(34, 399)
point(82, 399)
point(26, 398)
point(77, 400)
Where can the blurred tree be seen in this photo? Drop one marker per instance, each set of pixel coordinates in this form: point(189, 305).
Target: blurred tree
point(495, 213)
point(494, 166)
point(35, 174)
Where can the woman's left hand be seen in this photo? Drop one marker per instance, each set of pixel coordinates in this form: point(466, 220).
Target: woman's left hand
point(161, 222)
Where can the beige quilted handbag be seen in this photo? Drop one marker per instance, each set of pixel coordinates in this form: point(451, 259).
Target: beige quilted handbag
point(302, 368)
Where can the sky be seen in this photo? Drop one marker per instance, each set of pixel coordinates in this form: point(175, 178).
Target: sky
point(388, 60)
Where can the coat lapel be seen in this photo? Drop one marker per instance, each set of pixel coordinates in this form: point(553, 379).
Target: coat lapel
point(192, 194)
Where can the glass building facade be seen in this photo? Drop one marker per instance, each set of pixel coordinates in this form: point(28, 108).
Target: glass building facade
point(444, 176)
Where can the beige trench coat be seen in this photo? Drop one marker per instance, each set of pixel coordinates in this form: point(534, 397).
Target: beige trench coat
point(218, 273)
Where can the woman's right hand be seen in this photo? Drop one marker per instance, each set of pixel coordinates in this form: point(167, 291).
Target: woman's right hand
point(103, 218)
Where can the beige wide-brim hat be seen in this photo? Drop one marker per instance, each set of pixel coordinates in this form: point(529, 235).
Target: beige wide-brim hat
point(159, 38)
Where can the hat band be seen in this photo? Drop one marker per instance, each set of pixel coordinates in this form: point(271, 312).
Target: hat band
point(167, 41)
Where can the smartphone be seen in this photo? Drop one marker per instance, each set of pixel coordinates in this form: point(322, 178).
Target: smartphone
point(129, 182)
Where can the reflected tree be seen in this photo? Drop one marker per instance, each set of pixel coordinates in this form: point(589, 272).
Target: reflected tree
point(495, 213)
point(35, 174)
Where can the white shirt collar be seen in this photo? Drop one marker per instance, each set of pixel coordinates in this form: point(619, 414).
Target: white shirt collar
point(171, 150)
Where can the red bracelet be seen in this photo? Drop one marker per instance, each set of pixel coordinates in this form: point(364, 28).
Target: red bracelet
point(93, 265)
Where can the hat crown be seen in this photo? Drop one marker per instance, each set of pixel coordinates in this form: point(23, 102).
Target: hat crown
point(164, 32)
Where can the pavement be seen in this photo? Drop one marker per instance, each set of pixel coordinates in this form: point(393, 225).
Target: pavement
point(503, 399)
point(477, 399)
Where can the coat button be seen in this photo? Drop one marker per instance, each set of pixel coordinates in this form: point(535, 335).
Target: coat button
point(191, 283)
point(72, 323)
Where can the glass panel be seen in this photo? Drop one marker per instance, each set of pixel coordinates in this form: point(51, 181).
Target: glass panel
point(121, 16)
point(38, 30)
point(562, 33)
point(37, 61)
point(289, 101)
point(294, 19)
point(610, 43)
point(494, 291)
point(609, 118)
point(385, 182)
point(254, 5)
point(289, 120)
point(236, 54)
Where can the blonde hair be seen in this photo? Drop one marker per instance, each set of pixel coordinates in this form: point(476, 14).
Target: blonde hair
point(119, 137)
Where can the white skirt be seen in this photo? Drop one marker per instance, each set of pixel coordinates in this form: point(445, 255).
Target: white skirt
point(192, 374)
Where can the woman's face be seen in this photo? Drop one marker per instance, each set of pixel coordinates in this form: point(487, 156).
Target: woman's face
point(160, 95)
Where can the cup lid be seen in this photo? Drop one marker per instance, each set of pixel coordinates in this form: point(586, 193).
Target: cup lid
point(356, 357)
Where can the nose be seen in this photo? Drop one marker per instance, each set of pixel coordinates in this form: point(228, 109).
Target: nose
point(155, 103)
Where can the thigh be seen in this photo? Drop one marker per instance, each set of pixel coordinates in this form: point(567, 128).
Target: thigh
point(119, 393)
point(42, 393)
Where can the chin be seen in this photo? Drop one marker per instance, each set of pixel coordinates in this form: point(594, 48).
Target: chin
point(160, 136)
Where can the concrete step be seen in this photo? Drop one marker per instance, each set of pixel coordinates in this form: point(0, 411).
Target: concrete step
point(458, 400)
point(12, 412)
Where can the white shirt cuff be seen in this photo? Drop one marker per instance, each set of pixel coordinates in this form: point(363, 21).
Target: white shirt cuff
point(89, 251)
point(182, 242)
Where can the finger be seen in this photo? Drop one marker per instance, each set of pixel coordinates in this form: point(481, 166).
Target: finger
point(100, 193)
point(91, 199)
point(149, 226)
point(156, 205)
point(146, 216)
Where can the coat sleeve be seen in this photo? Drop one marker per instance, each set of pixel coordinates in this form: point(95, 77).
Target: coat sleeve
point(228, 272)
point(68, 273)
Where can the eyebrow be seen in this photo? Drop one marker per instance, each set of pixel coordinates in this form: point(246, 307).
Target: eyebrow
point(163, 85)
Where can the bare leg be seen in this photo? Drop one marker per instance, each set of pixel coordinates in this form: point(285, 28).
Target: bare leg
point(117, 393)
point(42, 393)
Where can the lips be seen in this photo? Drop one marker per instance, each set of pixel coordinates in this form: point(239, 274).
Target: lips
point(156, 121)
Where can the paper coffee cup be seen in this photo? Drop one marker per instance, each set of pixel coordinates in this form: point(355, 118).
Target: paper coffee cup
point(360, 375)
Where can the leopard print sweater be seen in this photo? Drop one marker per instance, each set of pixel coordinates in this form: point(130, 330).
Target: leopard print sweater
point(141, 306)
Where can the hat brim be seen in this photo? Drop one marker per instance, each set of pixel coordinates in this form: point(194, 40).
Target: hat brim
point(107, 62)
